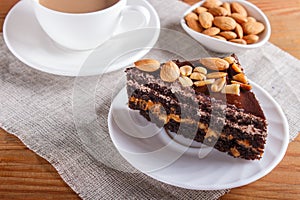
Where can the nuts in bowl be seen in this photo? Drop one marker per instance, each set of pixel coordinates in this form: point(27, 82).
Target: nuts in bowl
point(227, 25)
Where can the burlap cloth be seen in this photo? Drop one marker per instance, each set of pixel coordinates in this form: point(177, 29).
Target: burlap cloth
point(39, 109)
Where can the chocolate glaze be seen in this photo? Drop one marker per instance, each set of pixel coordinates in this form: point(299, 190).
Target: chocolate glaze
point(246, 100)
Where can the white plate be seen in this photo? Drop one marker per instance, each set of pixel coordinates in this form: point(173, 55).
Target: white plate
point(156, 155)
point(28, 42)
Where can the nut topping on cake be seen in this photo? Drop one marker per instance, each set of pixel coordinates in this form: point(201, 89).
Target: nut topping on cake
point(169, 72)
point(203, 83)
point(236, 68)
point(216, 72)
point(218, 85)
point(229, 59)
point(232, 89)
point(243, 86)
point(216, 64)
point(186, 81)
point(201, 70)
point(216, 75)
point(198, 76)
point(241, 78)
point(147, 65)
point(186, 70)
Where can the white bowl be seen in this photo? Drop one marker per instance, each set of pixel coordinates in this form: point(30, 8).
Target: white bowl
point(221, 46)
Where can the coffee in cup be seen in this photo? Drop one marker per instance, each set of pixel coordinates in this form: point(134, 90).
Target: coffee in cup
point(85, 24)
point(77, 6)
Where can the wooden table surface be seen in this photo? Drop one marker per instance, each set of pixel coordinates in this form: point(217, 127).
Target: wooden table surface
point(24, 175)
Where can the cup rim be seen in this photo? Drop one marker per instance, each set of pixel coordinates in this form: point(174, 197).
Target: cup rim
point(77, 14)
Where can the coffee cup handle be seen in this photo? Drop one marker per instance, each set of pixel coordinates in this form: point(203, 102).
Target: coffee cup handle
point(142, 11)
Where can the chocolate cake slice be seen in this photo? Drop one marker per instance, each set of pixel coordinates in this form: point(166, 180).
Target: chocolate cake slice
point(207, 100)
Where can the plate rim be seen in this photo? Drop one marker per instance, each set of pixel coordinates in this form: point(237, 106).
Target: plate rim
point(64, 72)
point(239, 183)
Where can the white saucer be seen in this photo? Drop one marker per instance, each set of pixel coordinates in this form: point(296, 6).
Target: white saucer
point(155, 154)
point(30, 44)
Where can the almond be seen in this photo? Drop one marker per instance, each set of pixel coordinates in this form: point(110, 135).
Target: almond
point(215, 75)
point(192, 16)
point(198, 76)
point(253, 28)
point(219, 37)
point(251, 19)
point(186, 81)
point(238, 41)
point(216, 64)
point(236, 68)
point(226, 5)
point(201, 70)
point(225, 23)
point(231, 89)
point(206, 19)
point(211, 31)
point(205, 82)
point(186, 70)
point(228, 34)
point(147, 65)
point(246, 87)
point(242, 85)
point(239, 31)
point(250, 39)
point(230, 59)
point(239, 18)
point(200, 9)
point(218, 85)
point(238, 8)
point(218, 11)
point(193, 22)
point(212, 3)
point(195, 25)
point(240, 78)
point(169, 72)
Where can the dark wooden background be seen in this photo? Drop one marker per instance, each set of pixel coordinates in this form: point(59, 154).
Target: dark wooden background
point(24, 175)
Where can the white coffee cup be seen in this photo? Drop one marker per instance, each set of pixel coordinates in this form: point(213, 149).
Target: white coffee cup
point(84, 31)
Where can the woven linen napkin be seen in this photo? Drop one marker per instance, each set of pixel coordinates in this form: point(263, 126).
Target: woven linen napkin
point(53, 117)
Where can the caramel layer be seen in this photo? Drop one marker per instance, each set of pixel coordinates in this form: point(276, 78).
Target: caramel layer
point(155, 109)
